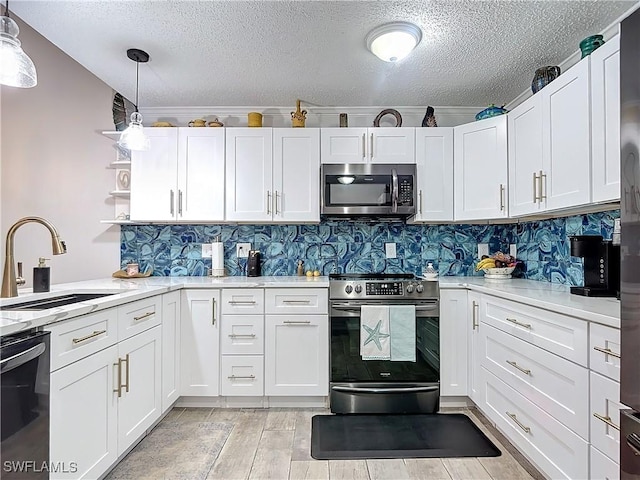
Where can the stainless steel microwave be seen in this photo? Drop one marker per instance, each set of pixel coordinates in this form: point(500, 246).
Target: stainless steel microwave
point(368, 190)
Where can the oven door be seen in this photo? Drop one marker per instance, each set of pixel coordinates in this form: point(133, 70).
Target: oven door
point(368, 189)
point(383, 386)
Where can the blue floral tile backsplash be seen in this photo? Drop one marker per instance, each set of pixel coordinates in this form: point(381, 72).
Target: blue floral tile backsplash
point(335, 246)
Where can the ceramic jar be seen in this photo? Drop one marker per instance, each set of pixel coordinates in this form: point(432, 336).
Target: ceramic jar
point(543, 77)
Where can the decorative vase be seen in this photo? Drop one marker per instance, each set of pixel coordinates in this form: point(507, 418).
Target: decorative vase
point(254, 119)
point(298, 117)
point(429, 119)
point(543, 77)
point(589, 44)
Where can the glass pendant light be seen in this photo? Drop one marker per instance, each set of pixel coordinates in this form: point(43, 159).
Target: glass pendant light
point(133, 138)
point(16, 68)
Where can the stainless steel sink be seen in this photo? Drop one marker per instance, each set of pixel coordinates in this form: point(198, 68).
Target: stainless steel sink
point(53, 302)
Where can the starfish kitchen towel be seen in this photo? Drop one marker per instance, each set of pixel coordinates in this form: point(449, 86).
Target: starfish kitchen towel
point(374, 332)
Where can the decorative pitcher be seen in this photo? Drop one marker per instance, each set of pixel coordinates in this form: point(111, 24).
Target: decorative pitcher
point(543, 77)
point(298, 117)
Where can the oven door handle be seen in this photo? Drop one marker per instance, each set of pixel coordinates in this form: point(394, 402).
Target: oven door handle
point(338, 388)
point(21, 358)
point(356, 308)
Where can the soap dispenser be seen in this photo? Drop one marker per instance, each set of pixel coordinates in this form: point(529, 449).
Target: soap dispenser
point(41, 276)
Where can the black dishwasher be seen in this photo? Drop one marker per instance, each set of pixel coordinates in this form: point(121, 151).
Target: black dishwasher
point(24, 401)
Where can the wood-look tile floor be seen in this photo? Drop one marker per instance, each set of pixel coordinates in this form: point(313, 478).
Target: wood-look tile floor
point(275, 444)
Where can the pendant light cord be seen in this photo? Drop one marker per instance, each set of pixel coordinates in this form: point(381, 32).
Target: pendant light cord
point(6, 9)
point(137, 76)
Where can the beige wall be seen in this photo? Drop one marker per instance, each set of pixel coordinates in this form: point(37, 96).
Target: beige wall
point(53, 164)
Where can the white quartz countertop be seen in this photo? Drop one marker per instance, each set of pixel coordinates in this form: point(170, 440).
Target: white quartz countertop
point(127, 290)
point(550, 296)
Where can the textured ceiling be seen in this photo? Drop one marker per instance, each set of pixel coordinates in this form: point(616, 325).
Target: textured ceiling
point(268, 53)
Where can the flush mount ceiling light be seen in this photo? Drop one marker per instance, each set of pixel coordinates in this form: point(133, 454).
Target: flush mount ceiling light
point(133, 138)
point(16, 68)
point(392, 42)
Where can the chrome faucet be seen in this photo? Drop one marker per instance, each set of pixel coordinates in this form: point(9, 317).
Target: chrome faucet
point(9, 280)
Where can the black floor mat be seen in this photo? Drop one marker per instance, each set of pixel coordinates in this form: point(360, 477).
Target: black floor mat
point(349, 437)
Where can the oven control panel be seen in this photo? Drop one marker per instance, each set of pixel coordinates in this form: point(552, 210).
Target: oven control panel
point(387, 288)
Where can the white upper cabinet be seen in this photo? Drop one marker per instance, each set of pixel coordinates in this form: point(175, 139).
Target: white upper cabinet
point(296, 174)
point(181, 177)
point(605, 121)
point(566, 139)
point(273, 175)
point(480, 169)
point(434, 159)
point(525, 156)
point(368, 145)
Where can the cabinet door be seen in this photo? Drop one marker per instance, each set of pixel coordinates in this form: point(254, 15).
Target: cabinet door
point(475, 385)
point(140, 403)
point(454, 331)
point(566, 139)
point(296, 174)
point(434, 159)
point(480, 165)
point(154, 175)
point(170, 349)
point(199, 338)
point(343, 145)
point(249, 166)
point(605, 121)
point(525, 156)
point(392, 145)
point(84, 418)
point(201, 174)
point(296, 355)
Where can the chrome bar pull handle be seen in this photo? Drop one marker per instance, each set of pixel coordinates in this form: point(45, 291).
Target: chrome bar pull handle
point(501, 197)
point(474, 319)
point(607, 351)
point(526, 371)
point(420, 200)
point(87, 337)
point(297, 322)
point(515, 419)
point(535, 188)
point(213, 311)
point(142, 317)
point(297, 301)
point(520, 324)
point(126, 385)
point(119, 389)
point(242, 302)
point(542, 175)
point(237, 377)
point(180, 202)
point(364, 145)
point(242, 335)
point(268, 202)
point(171, 202)
point(606, 419)
point(277, 198)
point(371, 152)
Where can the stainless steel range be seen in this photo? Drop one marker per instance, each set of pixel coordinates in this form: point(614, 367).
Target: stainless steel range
point(362, 385)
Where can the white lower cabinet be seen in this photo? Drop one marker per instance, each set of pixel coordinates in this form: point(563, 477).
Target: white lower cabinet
point(84, 416)
point(242, 375)
point(200, 342)
point(296, 355)
point(605, 415)
point(170, 349)
point(602, 467)
point(454, 331)
point(474, 353)
point(554, 448)
point(139, 392)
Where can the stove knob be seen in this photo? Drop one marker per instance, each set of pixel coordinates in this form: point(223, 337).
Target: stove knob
point(410, 288)
point(358, 288)
point(348, 289)
point(419, 288)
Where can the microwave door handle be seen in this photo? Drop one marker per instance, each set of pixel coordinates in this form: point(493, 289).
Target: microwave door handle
point(394, 191)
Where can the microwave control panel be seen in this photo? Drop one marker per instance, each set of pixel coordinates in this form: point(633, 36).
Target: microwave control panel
point(405, 194)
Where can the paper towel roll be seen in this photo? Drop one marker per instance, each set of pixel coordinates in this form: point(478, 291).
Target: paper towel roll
point(217, 259)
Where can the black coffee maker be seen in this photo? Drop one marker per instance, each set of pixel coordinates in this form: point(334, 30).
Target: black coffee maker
point(253, 264)
point(601, 265)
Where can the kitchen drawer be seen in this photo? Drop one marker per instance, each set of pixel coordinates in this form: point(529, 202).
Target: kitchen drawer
point(242, 375)
point(553, 448)
point(297, 300)
point(136, 317)
point(604, 350)
point(556, 385)
point(243, 301)
point(601, 466)
point(560, 334)
point(79, 337)
point(605, 409)
point(242, 334)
